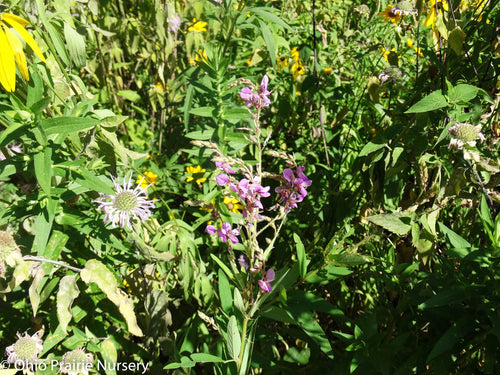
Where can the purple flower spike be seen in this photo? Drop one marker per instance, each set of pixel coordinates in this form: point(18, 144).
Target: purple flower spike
point(259, 100)
point(294, 189)
point(222, 179)
point(265, 283)
point(225, 233)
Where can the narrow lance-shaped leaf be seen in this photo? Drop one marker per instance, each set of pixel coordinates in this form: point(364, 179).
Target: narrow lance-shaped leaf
point(233, 338)
point(68, 291)
point(96, 272)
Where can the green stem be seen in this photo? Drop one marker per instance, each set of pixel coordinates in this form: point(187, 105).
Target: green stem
point(243, 342)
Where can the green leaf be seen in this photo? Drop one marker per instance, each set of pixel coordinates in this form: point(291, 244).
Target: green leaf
point(66, 124)
point(43, 168)
point(233, 338)
point(109, 354)
point(456, 40)
point(269, 39)
point(76, 45)
point(96, 272)
point(201, 135)
point(223, 266)
point(238, 301)
point(377, 143)
point(431, 102)
point(455, 239)
point(33, 290)
point(462, 93)
point(301, 255)
point(68, 291)
point(205, 358)
point(452, 335)
point(265, 14)
point(396, 222)
point(443, 298)
point(58, 42)
point(131, 95)
point(225, 295)
point(202, 111)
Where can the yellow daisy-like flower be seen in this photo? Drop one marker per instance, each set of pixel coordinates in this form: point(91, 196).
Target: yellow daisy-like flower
point(149, 178)
point(297, 70)
point(389, 15)
point(327, 70)
point(282, 63)
point(433, 8)
point(198, 26)
point(193, 171)
point(295, 54)
point(11, 50)
point(233, 204)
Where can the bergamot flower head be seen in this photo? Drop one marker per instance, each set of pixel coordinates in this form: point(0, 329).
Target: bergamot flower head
point(26, 349)
point(12, 49)
point(126, 204)
point(464, 134)
point(9, 251)
point(76, 362)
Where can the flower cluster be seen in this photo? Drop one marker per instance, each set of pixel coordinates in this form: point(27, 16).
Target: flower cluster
point(195, 171)
point(258, 100)
point(464, 134)
point(249, 191)
point(293, 190)
point(198, 26)
point(225, 232)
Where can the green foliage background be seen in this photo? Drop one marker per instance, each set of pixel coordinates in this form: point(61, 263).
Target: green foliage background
point(389, 266)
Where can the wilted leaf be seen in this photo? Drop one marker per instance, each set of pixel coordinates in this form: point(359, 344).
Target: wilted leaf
point(33, 290)
point(68, 291)
point(96, 272)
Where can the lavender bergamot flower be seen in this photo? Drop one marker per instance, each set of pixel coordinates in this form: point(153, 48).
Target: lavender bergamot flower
point(126, 204)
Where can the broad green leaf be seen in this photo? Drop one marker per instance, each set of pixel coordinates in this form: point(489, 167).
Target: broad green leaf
point(76, 45)
point(96, 272)
point(455, 239)
point(377, 143)
point(68, 291)
point(33, 290)
point(265, 14)
point(456, 40)
point(62, 53)
point(349, 259)
point(301, 255)
point(123, 152)
point(226, 298)
point(43, 226)
point(443, 298)
point(396, 222)
point(233, 338)
point(457, 331)
point(201, 135)
point(462, 93)
point(431, 102)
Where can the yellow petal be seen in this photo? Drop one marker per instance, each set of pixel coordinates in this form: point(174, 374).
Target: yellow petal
point(15, 18)
point(7, 63)
point(12, 21)
point(17, 49)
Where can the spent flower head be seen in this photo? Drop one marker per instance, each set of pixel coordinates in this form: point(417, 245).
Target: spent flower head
point(464, 134)
point(126, 204)
point(76, 362)
point(9, 251)
point(26, 349)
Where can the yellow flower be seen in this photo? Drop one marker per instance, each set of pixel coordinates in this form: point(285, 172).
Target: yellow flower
point(195, 170)
point(282, 63)
point(295, 54)
point(432, 14)
point(149, 178)
point(410, 42)
point(327, 70)
point(11, 50)
point(389, 15)
point(198, 26)
point(159, 85)
point(232, 204)
point(391, 56)
point(297, 70)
